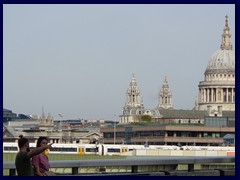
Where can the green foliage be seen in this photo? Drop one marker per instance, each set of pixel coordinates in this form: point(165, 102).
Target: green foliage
point(146, 118)
point(143, 118)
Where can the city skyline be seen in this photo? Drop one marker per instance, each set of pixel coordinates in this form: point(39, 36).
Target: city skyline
point(78, 60)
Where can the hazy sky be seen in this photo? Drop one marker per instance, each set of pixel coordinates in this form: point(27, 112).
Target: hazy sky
point(78, 60)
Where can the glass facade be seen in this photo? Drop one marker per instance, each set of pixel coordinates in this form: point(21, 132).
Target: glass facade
point(220, 121)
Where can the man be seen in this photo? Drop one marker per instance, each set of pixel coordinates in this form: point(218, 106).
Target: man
point(23, 159)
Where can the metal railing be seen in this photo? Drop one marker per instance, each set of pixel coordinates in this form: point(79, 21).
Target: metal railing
point(134, 163)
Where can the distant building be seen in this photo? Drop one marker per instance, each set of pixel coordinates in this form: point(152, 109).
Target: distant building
point(64, 131)
point(133, 109)
point(157, 134)
point(217, 91)
point(8, 115)
point(210, 122)
point(176, 127)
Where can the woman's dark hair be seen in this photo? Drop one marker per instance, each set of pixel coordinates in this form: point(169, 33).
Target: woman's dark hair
point(40, 140)
point(22, 141)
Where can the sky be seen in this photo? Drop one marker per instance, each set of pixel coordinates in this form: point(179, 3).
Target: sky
point(78, 60)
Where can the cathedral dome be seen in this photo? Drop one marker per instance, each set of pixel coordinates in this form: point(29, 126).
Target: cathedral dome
point(217, 90)
point(222, 60)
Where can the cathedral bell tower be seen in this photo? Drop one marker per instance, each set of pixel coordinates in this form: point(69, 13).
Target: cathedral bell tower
point(133, 105)
point(165, 96)
point(133, 98)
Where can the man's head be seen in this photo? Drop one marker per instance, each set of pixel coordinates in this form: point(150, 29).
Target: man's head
point(23, 143)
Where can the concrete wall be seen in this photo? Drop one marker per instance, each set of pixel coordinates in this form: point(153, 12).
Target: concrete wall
point(158, 152)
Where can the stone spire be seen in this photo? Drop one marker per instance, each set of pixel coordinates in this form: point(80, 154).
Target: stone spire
point(165, 96)
point(226, 37)
point(133, 98)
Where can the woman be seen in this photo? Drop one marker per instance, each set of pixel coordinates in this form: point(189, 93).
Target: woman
point(41, 162)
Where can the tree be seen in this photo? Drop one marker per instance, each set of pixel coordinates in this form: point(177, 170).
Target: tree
point(146, 118)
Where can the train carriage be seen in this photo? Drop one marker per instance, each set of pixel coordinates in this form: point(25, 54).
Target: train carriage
point(109, 149)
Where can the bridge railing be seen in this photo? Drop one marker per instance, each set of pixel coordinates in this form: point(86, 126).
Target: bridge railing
point(134, 163)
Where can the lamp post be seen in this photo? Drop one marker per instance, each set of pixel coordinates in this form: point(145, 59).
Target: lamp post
point(60, 127)
point(114, 131)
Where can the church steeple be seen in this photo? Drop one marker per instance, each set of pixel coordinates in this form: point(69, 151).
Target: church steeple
point(133, 98)
point(133, 106)
point(226, 37)
point(165, 96)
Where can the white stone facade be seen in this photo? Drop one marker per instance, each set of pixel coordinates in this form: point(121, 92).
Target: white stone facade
point(133, 105)
point(217, 91)
point(133, 108)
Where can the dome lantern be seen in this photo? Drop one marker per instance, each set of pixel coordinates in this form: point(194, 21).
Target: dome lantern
point(226, 37)
point(223, 59)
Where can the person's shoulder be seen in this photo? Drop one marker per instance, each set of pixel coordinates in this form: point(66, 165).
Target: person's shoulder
point(22, 154)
